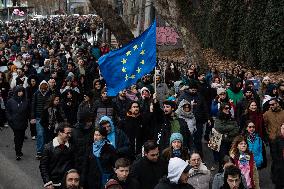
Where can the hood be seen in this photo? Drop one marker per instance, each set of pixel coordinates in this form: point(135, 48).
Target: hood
point(106, 118)
point(43, 81)
point(181, 112)
point(175, 168)
point(18, 89)
point(270, 88)
point(234, 83)
point(143, 89)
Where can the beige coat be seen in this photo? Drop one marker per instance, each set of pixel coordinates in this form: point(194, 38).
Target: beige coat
point(273, 122)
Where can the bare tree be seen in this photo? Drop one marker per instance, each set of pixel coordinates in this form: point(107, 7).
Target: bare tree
point(113, 20)
point(176, 13)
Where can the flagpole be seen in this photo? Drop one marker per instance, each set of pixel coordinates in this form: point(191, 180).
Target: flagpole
point(155, 82)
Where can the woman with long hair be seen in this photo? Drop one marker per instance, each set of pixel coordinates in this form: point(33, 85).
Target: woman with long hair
point(99, 161)
point(51, 116)
point(255, 145)
point(176, 148)
point(244, 160)
point(254, 114)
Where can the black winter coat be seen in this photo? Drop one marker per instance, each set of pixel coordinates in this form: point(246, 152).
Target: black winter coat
point(134, 129)
point(148, 173)
point(277, 168)
point(46, 114)
point(130, 183)
point(17, 113)
point(166, 184)
point(55, 162)
point(81, 140)
point(91, 175)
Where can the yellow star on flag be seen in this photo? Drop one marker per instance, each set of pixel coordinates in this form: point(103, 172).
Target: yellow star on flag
point(132, 76)
point(135, 47)
point(126, 77)
point(123, 69)
point(142, 52)
point(128, 53)
point(142, 62)
point(138, 70)
point(124, 61)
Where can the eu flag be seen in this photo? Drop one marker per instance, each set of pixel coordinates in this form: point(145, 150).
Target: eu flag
point(122, 68)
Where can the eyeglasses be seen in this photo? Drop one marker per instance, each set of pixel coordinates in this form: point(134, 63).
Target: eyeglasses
point(272, 104)
point(251, 126)
point(227, 108)
point(68, 133)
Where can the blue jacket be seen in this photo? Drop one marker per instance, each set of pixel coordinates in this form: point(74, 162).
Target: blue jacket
point(256, 149)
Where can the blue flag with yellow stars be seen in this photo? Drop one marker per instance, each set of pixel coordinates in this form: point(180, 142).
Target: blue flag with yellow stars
point(122, 68)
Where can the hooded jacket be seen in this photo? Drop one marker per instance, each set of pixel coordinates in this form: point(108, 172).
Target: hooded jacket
point(187, 116)
point(39, 100)
point(235, 93)
point(17, 110)
point(117, 138)
point(175, 169)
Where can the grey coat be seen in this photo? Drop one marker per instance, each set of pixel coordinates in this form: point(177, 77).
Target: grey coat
point(218, 181)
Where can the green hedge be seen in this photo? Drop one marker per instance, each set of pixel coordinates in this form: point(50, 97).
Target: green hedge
point(251, 31)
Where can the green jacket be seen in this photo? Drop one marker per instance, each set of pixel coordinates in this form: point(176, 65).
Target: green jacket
point(229, 129)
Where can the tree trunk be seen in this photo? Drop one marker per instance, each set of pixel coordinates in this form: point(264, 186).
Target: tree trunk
point(172, 11)
point(113, 21)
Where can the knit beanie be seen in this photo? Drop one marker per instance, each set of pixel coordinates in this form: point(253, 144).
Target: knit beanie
point(171, 103)
point(176, 136)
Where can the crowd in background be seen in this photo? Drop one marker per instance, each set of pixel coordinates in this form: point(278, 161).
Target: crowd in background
point(152, 134)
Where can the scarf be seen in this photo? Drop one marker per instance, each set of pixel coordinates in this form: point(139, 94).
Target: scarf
point(251, 137)
point(177, 153)
point(97, 147)
point(244, 158)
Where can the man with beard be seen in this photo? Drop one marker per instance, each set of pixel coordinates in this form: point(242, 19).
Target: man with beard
point(134, 128)
point(168, 123)
point(200, 111)
point(273, 119)
point(120, 104)
point(234, 92)
point(190, 77)
point(104, 107)
point(71, 180)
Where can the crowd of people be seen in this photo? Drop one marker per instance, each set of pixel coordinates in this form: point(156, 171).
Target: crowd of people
point(151, 135)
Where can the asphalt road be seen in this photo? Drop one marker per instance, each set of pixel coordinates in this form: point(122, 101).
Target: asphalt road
point(24, 174)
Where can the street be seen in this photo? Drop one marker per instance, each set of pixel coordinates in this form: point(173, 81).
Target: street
point(24, 174)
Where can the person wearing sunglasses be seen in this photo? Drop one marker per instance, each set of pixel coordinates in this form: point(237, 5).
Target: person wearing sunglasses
point(273, 118)
point(255, 145)
point(226, 126)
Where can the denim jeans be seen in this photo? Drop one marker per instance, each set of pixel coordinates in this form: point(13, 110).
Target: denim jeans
point(40, 136)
